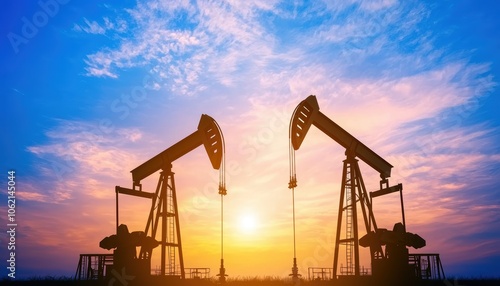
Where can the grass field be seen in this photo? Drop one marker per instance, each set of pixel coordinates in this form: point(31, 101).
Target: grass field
point(269, 281)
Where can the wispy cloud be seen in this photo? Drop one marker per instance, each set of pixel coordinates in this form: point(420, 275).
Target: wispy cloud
point(77, 150)
point(90, 27)
point(215, 41)
point(93, 27)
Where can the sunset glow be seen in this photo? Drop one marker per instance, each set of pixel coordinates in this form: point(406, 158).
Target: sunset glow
point(248, 224)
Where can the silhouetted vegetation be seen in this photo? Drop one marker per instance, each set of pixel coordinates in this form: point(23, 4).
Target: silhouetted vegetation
point(245, 281)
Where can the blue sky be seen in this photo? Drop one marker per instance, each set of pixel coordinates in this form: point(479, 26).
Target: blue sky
point(93, 89)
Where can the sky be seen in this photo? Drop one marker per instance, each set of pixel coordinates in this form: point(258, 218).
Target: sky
point(92, 89)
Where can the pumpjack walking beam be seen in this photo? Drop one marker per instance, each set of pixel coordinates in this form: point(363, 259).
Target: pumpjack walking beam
point(307, 113)
point(208, 134)
point(164, 200)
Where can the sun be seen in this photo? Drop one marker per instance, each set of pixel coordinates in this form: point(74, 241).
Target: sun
point(247, 223)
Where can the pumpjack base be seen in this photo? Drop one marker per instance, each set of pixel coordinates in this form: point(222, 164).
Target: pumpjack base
point(295, 272)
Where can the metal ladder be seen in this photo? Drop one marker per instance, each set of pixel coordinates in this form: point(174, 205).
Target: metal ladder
point(171, 232)
point(349, 236)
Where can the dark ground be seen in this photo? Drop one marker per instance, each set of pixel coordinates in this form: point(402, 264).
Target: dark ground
point(246, 282)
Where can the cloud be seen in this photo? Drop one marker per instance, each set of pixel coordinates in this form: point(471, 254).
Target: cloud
point(79, 152)
point(93, 27)
point(233, 43)
point(217, 38)
point(32, 196)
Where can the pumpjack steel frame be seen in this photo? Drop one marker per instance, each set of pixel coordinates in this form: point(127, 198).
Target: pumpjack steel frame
point(164, 206)
point(352, 191)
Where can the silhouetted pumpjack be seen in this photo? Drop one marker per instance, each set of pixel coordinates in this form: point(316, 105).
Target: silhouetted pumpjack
point(395, 259)
point(163, 218)
point(353, 190)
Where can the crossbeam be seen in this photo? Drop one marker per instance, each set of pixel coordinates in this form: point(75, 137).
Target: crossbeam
point(386, 191)
point(135, 193)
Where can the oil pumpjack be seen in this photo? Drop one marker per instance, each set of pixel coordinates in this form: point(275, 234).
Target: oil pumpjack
point(390, 264)
point(163, 218)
